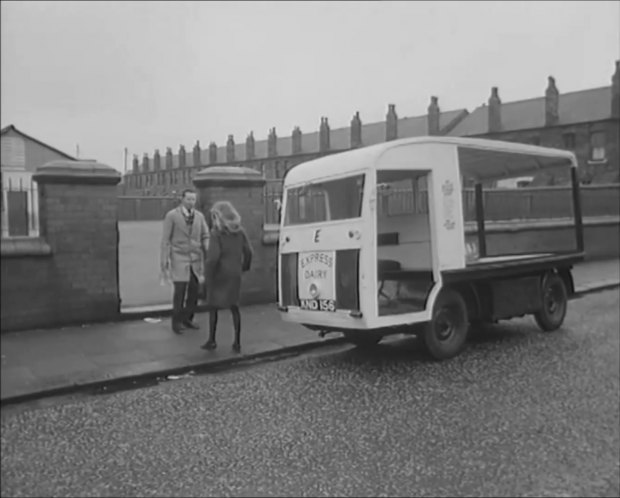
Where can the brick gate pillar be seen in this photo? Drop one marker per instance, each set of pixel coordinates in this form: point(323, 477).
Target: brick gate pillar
point(78, 220)
point(243, 187)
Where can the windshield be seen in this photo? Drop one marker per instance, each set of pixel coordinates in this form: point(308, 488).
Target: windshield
point(331, 200)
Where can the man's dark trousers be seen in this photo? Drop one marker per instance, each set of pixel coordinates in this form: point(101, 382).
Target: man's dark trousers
point(183, 309)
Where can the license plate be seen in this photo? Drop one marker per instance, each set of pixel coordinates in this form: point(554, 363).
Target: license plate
point(318, 304)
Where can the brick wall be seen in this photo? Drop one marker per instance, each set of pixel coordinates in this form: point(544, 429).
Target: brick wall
point(70, 273)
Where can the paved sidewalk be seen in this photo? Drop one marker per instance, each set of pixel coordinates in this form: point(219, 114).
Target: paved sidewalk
point(38, 362)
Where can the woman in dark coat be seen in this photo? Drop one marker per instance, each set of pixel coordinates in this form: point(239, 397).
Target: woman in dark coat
point(229, 254)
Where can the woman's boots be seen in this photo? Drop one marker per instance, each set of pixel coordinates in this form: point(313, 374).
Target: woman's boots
point(236, 315)
point(211, 344)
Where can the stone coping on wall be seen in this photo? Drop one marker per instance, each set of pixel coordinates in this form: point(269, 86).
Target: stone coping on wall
point(228, 176)
point(271, 231)
point(77, 172)
point(24, 246)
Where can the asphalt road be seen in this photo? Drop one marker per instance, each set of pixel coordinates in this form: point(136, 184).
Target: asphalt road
point(519, 413)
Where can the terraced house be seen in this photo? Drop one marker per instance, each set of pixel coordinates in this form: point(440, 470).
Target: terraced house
point(585, 121)
point(275, 155)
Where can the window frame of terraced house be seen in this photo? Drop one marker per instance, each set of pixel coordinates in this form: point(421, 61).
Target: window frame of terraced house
point(598, 151)
point(20, 207)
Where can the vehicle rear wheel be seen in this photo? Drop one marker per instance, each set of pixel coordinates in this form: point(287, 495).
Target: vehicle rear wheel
point(363, 339)
point(446, 333)
point(554, 303)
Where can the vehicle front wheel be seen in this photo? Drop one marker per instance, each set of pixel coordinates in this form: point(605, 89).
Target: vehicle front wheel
point(446, 333)
point(554, 303)
point(363, 339)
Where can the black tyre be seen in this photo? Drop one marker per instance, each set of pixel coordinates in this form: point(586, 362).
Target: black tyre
point(446, 333)
point(554, 303)
point(363, 339)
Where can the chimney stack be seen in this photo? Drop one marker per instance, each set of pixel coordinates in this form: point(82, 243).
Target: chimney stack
point(615, 93)
point(196, 154)
point(249, 146)
point(552, 100)
point(296, 141)
point(272, 143)
point(230, 149)
point(433, 117)
point(495, 111)
point(356, 131)
point(212, 153)
point(391, 123)
point(324, 135)
point(182, 158)
point(168, 157)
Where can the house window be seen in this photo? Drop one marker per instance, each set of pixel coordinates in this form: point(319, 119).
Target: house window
point(20, 208)
point(597, 146)
point(569, 141)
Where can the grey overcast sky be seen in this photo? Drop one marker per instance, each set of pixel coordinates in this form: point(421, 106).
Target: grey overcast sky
point(147, 75)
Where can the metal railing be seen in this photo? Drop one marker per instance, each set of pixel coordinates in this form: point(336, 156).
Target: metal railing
point(501, 204)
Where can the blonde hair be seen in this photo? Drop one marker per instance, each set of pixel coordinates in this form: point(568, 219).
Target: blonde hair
point(225, 216)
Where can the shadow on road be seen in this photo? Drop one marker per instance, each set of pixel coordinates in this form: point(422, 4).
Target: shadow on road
point(410, 350)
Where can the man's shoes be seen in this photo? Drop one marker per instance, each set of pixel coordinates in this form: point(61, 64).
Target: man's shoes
point(236, 347)
point(176, 328)
point(188, 324)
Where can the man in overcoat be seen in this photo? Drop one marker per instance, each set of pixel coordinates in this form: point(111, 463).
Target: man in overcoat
point(184, 244)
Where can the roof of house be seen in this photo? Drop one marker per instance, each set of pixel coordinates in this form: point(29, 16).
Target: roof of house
point(6, 129)
point(339, 139)
point(575, 107)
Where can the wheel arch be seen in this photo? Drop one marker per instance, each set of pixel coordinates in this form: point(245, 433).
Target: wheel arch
point(469, 292)
point(567, 276)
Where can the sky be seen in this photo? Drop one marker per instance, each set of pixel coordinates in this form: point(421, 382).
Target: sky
point(106, 76)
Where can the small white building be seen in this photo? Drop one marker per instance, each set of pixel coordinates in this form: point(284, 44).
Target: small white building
point(21, 156)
